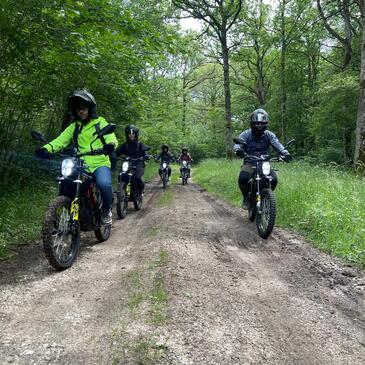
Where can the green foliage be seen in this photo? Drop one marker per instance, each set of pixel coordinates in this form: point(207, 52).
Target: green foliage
point(327, 208)
point(21, 219)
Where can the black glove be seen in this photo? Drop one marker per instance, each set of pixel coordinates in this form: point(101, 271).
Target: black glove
point(147, 157)
point(42, 153)
point(287, 157)
point(108, 148)
point(240, 153)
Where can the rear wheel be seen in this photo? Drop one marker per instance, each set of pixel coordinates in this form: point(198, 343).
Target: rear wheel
point(265, 220)
point(102, 233)
point(122, 202)
point(252, 208)
point(61, 239)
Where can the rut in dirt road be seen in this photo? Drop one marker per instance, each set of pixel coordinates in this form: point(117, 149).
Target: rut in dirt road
point(184, 281)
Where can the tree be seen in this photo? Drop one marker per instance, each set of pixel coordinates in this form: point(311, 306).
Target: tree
point(219, 15)
point(359, 157)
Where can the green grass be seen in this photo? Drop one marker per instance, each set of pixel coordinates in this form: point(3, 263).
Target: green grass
point(324, 203)
point(22, 214)
point(165, 198)
point(150, 171)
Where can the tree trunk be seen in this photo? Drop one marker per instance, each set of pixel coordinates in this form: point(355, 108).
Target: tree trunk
point(227, 95)
point(282, 73)
point(359, 157)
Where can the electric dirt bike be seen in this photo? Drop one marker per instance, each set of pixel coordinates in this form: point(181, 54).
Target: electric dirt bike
point(262, 200)
point(164, 173)
point(127, 189)
point(77, 208)
point(184, 172)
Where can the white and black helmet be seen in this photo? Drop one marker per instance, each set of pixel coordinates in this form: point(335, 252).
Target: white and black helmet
point(259, 120)
point(80, 97)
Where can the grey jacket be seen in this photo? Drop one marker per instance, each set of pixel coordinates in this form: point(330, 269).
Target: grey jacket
point(259, 145)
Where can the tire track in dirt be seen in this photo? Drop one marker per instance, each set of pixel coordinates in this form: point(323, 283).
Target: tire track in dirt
point(69, 317)
point(239, 299)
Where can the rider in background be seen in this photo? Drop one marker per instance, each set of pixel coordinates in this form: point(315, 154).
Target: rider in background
point(258, 140)
point(134, 149)
point(185, 156)
point(82, 106)
point(165, 156)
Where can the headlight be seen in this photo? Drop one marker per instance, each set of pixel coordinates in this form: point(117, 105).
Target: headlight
point(68, 167)
point(125, 166)
point(164, 165)
point(184, 163)
point(266, 168)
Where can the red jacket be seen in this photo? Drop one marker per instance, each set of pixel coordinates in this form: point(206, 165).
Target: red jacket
point(186, 157)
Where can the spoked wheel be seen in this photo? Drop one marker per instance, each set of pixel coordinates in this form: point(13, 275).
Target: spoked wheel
point(61, 239)
point(184, 178)
point(252, 208)
point(137, 199)
point(266, 217)
point(102, 233)
point(122, 202)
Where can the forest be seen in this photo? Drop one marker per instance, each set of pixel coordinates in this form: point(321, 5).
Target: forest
point(298, 59)
point(302, 61)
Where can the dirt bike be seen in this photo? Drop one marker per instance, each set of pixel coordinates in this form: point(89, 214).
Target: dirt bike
point(127, 190)
point(262, 200)
point(77, 208)
point(164, 169)
point(184, 172)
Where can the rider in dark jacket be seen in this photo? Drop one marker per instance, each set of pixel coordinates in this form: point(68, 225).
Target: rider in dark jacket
point(133, 148)
point(165, 156)
point(258, 140)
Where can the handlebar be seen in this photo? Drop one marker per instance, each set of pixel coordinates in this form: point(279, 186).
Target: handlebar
point(127, 158)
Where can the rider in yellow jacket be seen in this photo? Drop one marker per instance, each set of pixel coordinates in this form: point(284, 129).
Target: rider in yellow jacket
point(83, 108)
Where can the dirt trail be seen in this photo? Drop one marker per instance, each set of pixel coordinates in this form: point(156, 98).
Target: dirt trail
point(184, 281)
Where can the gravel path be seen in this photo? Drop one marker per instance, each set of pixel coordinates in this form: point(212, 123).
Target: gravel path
point(186, 280)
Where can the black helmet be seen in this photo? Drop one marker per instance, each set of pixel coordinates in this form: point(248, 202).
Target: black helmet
point(80, 97)
point(131, 128)
point(165, 146)
point(259, 120)
point(184, 149)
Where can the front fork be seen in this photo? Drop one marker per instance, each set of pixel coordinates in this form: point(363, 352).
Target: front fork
point(258, 192)
point(75, 206)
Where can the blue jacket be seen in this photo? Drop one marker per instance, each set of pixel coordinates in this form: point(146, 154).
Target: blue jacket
point(259, 145)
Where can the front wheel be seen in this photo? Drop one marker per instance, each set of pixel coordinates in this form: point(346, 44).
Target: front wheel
point(164, 180)
point(184, 178)
point(265, 220)
point(61, 238)
point(122, 202)
point(137, 199)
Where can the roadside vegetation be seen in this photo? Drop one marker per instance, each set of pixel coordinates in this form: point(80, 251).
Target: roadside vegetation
point(322, 202)
point(23, 205)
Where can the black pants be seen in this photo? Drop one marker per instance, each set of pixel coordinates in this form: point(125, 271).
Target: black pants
point(137, 178)
point(187, 170)
point(246, 174)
